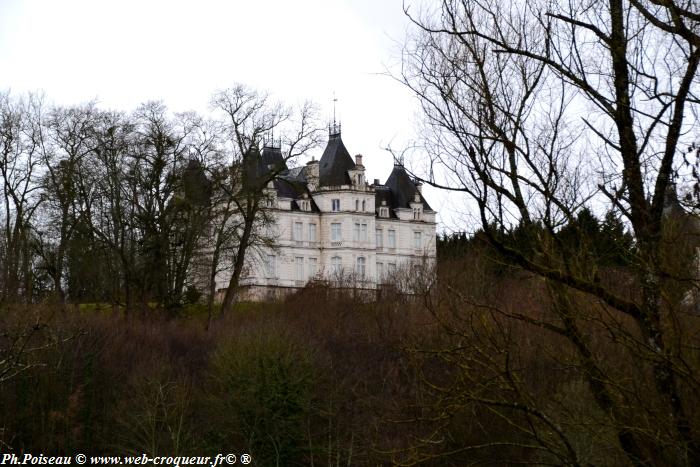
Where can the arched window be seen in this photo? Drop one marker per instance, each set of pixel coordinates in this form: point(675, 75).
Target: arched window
point(363, 205)
point(361, 266)
point(357, 205)
point(336, 265)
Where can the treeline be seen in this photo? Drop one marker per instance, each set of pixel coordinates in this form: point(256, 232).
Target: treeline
point(101, 205)
point(600, 242)
point(115, 207)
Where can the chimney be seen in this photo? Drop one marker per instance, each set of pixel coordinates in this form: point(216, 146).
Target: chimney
point(358, 160)
point(376, 182)
point(311, 173)
point(419, 186)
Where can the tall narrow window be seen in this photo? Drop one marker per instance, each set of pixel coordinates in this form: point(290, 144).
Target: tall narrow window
point(417, 240)
point(392, 238)
point(391, 269)
point(364, 206)
point(357, 205)
point(361, 266)
point(335, 232)
point(363, 232)
point(336, 265)
point(380, 271)
point(297, 233)
point(356, 232)
point(312, 232)
point(380, 238)
point(271, 266)
point(299, 266)
point(312, 267)
point(335, 205)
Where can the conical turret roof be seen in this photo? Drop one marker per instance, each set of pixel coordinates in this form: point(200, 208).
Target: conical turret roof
point(335, 163)
point(403, 189)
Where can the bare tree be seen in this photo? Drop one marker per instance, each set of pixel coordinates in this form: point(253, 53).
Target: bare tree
point(251, 116)
point(66, 141)
point(535, 109)
point(19, 172)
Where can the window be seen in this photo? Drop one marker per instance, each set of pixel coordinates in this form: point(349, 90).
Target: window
point(392, 239)
point(312, 267)
point(383, 212)
point(380, 238)
point(335, 232)
point(363, 232)
point(391, 269)
point(416, 214)
point(297, 232)
point(312, 232)
point(361, 266)
point(357, 205)
point(380, 271)
point(417, 240)
point(363, 206)
point(336, 265)
point(356, 232)
point(299, 263)
point(271, 266)
point(335, 205)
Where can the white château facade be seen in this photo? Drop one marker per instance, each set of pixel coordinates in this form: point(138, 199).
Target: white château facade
point(331, 224)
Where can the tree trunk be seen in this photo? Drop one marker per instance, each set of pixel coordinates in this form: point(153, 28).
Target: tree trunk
point(232, 291)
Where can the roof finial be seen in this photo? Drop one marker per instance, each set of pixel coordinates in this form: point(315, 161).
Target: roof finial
point(334, 129)
point(335, 100)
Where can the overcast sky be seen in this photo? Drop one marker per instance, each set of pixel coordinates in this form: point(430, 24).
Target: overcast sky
point(127, 52)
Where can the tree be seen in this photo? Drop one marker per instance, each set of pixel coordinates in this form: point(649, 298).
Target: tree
point(251, 116)
point(535, 109)
point(66, 141)
point(20, 135)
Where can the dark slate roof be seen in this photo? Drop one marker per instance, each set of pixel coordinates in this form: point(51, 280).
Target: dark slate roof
point(291, 188)
point(253, 169)
point(297, 174)
point(335, 163)
point(273, 156)
point(196, 185)
point(287, 188)
point(383, 193)
point(403, 189)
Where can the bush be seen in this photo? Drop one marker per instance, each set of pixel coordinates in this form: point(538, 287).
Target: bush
point(262, 383)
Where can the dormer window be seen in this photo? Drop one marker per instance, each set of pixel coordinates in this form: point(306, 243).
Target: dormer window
point(416, 214)
point(383, 212)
